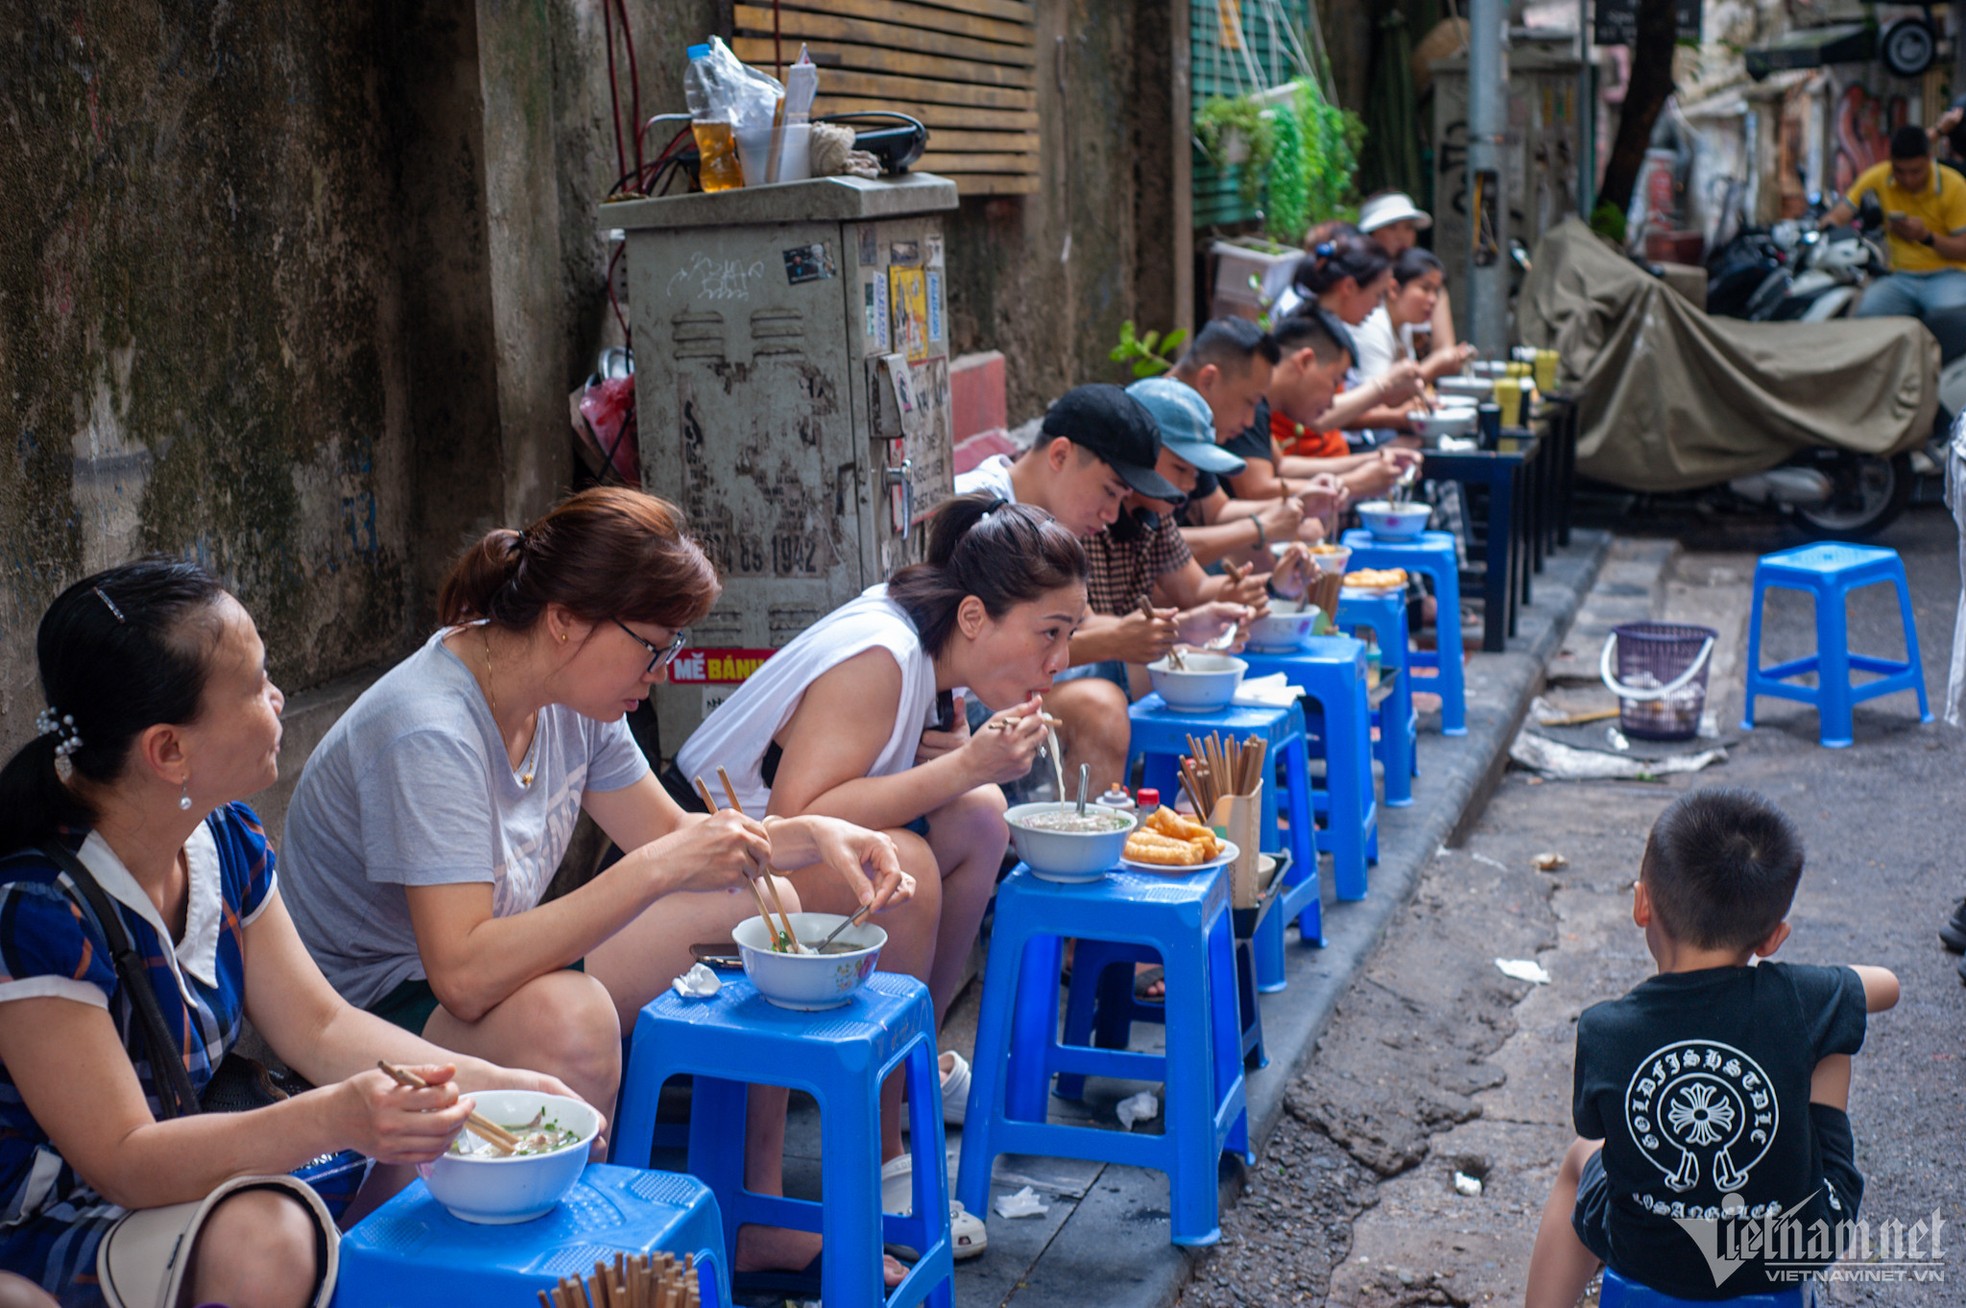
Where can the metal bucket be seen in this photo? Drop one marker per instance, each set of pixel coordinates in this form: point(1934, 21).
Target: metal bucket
point(1660, 677)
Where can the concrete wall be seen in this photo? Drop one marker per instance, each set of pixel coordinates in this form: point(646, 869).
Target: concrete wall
point(201, 332)
point(1048, 278)
point(299, 290)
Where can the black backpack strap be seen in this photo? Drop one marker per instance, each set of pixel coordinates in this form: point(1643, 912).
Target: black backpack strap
point(175, 1097)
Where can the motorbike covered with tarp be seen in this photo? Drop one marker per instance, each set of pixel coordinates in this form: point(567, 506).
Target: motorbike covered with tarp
point(1672, 399)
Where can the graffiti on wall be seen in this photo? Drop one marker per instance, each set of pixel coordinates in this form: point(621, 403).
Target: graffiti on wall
point(1864, 122)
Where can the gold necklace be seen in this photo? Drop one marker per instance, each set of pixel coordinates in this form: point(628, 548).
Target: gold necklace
point(525, 778)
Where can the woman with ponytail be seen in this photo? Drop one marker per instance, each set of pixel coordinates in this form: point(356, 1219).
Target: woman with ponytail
point(856, 718)
point(121, 821)
point(1348, 277)
point(431, 817)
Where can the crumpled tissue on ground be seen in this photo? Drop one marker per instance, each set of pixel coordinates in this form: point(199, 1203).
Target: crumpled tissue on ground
point(697, 983)
point(1025, 1203)
point(1523, 969)
point(1467, 1185)
point(1142, 1107)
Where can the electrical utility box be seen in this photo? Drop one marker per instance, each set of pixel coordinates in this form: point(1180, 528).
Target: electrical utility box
point(792, 396)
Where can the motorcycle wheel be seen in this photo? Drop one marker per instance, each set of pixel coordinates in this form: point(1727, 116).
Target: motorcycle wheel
point(1870, 493)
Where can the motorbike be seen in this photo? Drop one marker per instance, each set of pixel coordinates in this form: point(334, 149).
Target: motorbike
point(1794, 272)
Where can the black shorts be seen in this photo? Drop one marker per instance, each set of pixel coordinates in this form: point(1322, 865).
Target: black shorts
point(1593, 1208)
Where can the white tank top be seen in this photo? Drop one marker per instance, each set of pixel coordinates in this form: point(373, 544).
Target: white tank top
point(736, 735)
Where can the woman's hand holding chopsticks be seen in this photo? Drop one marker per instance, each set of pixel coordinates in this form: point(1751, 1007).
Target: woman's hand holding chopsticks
point(394, 1121)
point(865, 860)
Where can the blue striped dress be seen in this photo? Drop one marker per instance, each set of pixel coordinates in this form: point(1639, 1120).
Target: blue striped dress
point(51, 1219)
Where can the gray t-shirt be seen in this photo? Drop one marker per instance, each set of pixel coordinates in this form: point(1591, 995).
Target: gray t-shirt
point(412, 787)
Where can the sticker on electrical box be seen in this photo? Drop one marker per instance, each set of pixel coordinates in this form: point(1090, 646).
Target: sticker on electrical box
point(909, 252)
point(870, 246)
point(716, 667)
point(935, 251)
point(935, 331)
point(809, 263)
point(910, 312)
point(874, 295)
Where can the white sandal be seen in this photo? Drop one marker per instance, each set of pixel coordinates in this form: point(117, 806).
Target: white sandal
point(968, 1237)
point(955, 1088)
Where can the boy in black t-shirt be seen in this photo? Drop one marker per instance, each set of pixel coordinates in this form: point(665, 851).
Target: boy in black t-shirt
point(1716, 1157)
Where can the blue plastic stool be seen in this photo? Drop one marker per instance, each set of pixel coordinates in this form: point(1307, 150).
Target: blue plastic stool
point(1399, 726)
point(1186, 921)
point(1101, 1008)
point(1432, 554)
point(410, 1252)
point(840, 1057)
point(1100, 1005)
point(1331, 671)
point(1621, 1293)
point(1160, 736)
point(1830, 571)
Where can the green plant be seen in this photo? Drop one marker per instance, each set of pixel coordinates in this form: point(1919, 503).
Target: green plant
point(1608, 221)
point(1332, 137)
point(1150, 355)
point(1287, 213)
point(1223, 118)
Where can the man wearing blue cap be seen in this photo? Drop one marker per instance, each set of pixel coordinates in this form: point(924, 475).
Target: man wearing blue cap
point(1099, 467)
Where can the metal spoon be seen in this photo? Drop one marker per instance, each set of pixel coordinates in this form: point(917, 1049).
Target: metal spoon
point(858, 917)
point(1085, 772)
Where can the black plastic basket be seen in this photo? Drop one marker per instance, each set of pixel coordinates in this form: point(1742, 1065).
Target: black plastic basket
point(1660, 677)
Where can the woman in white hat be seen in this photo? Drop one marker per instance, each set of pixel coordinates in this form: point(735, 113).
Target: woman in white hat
point(1392, 220)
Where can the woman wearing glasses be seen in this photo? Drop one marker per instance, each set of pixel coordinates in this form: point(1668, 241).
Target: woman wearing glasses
point(431, 818)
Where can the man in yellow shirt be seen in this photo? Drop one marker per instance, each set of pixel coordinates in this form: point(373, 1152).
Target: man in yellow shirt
point(1925, 234)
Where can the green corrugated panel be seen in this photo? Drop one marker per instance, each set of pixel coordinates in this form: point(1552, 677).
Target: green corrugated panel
point(1214, 71)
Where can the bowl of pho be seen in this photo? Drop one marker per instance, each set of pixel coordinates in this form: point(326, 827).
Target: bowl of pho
point(1060, 844)
point(798, 977)
point(478, 1182)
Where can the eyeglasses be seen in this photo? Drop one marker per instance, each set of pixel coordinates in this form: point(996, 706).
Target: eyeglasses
point(660, 656)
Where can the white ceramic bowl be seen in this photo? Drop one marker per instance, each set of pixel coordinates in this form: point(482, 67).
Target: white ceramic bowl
point(1332, 558)
point(808, 982)
point(1067, 855)
point(500, 1189)
point(1394, 522)
point(1283, 629)
point(1445, 422)
point(1207, 681)
point(1478, 389)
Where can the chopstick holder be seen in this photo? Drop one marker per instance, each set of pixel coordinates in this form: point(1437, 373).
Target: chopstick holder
point(1239, 820)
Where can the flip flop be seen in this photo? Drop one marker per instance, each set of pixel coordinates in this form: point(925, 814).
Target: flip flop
point(1145, 978)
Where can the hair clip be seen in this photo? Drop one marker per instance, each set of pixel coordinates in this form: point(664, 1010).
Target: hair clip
point(1325, 249)
point(109, 602)
point(51, 721)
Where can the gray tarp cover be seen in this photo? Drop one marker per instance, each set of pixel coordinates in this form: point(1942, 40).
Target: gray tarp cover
point(1674, 399)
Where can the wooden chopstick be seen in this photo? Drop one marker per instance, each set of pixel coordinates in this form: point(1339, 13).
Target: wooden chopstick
point(771, 887)
point(501, 1139)
point(764, 909)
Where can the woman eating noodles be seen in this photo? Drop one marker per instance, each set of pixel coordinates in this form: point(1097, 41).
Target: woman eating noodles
point(431, 818)
point(835, 724)
point(122, 820)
